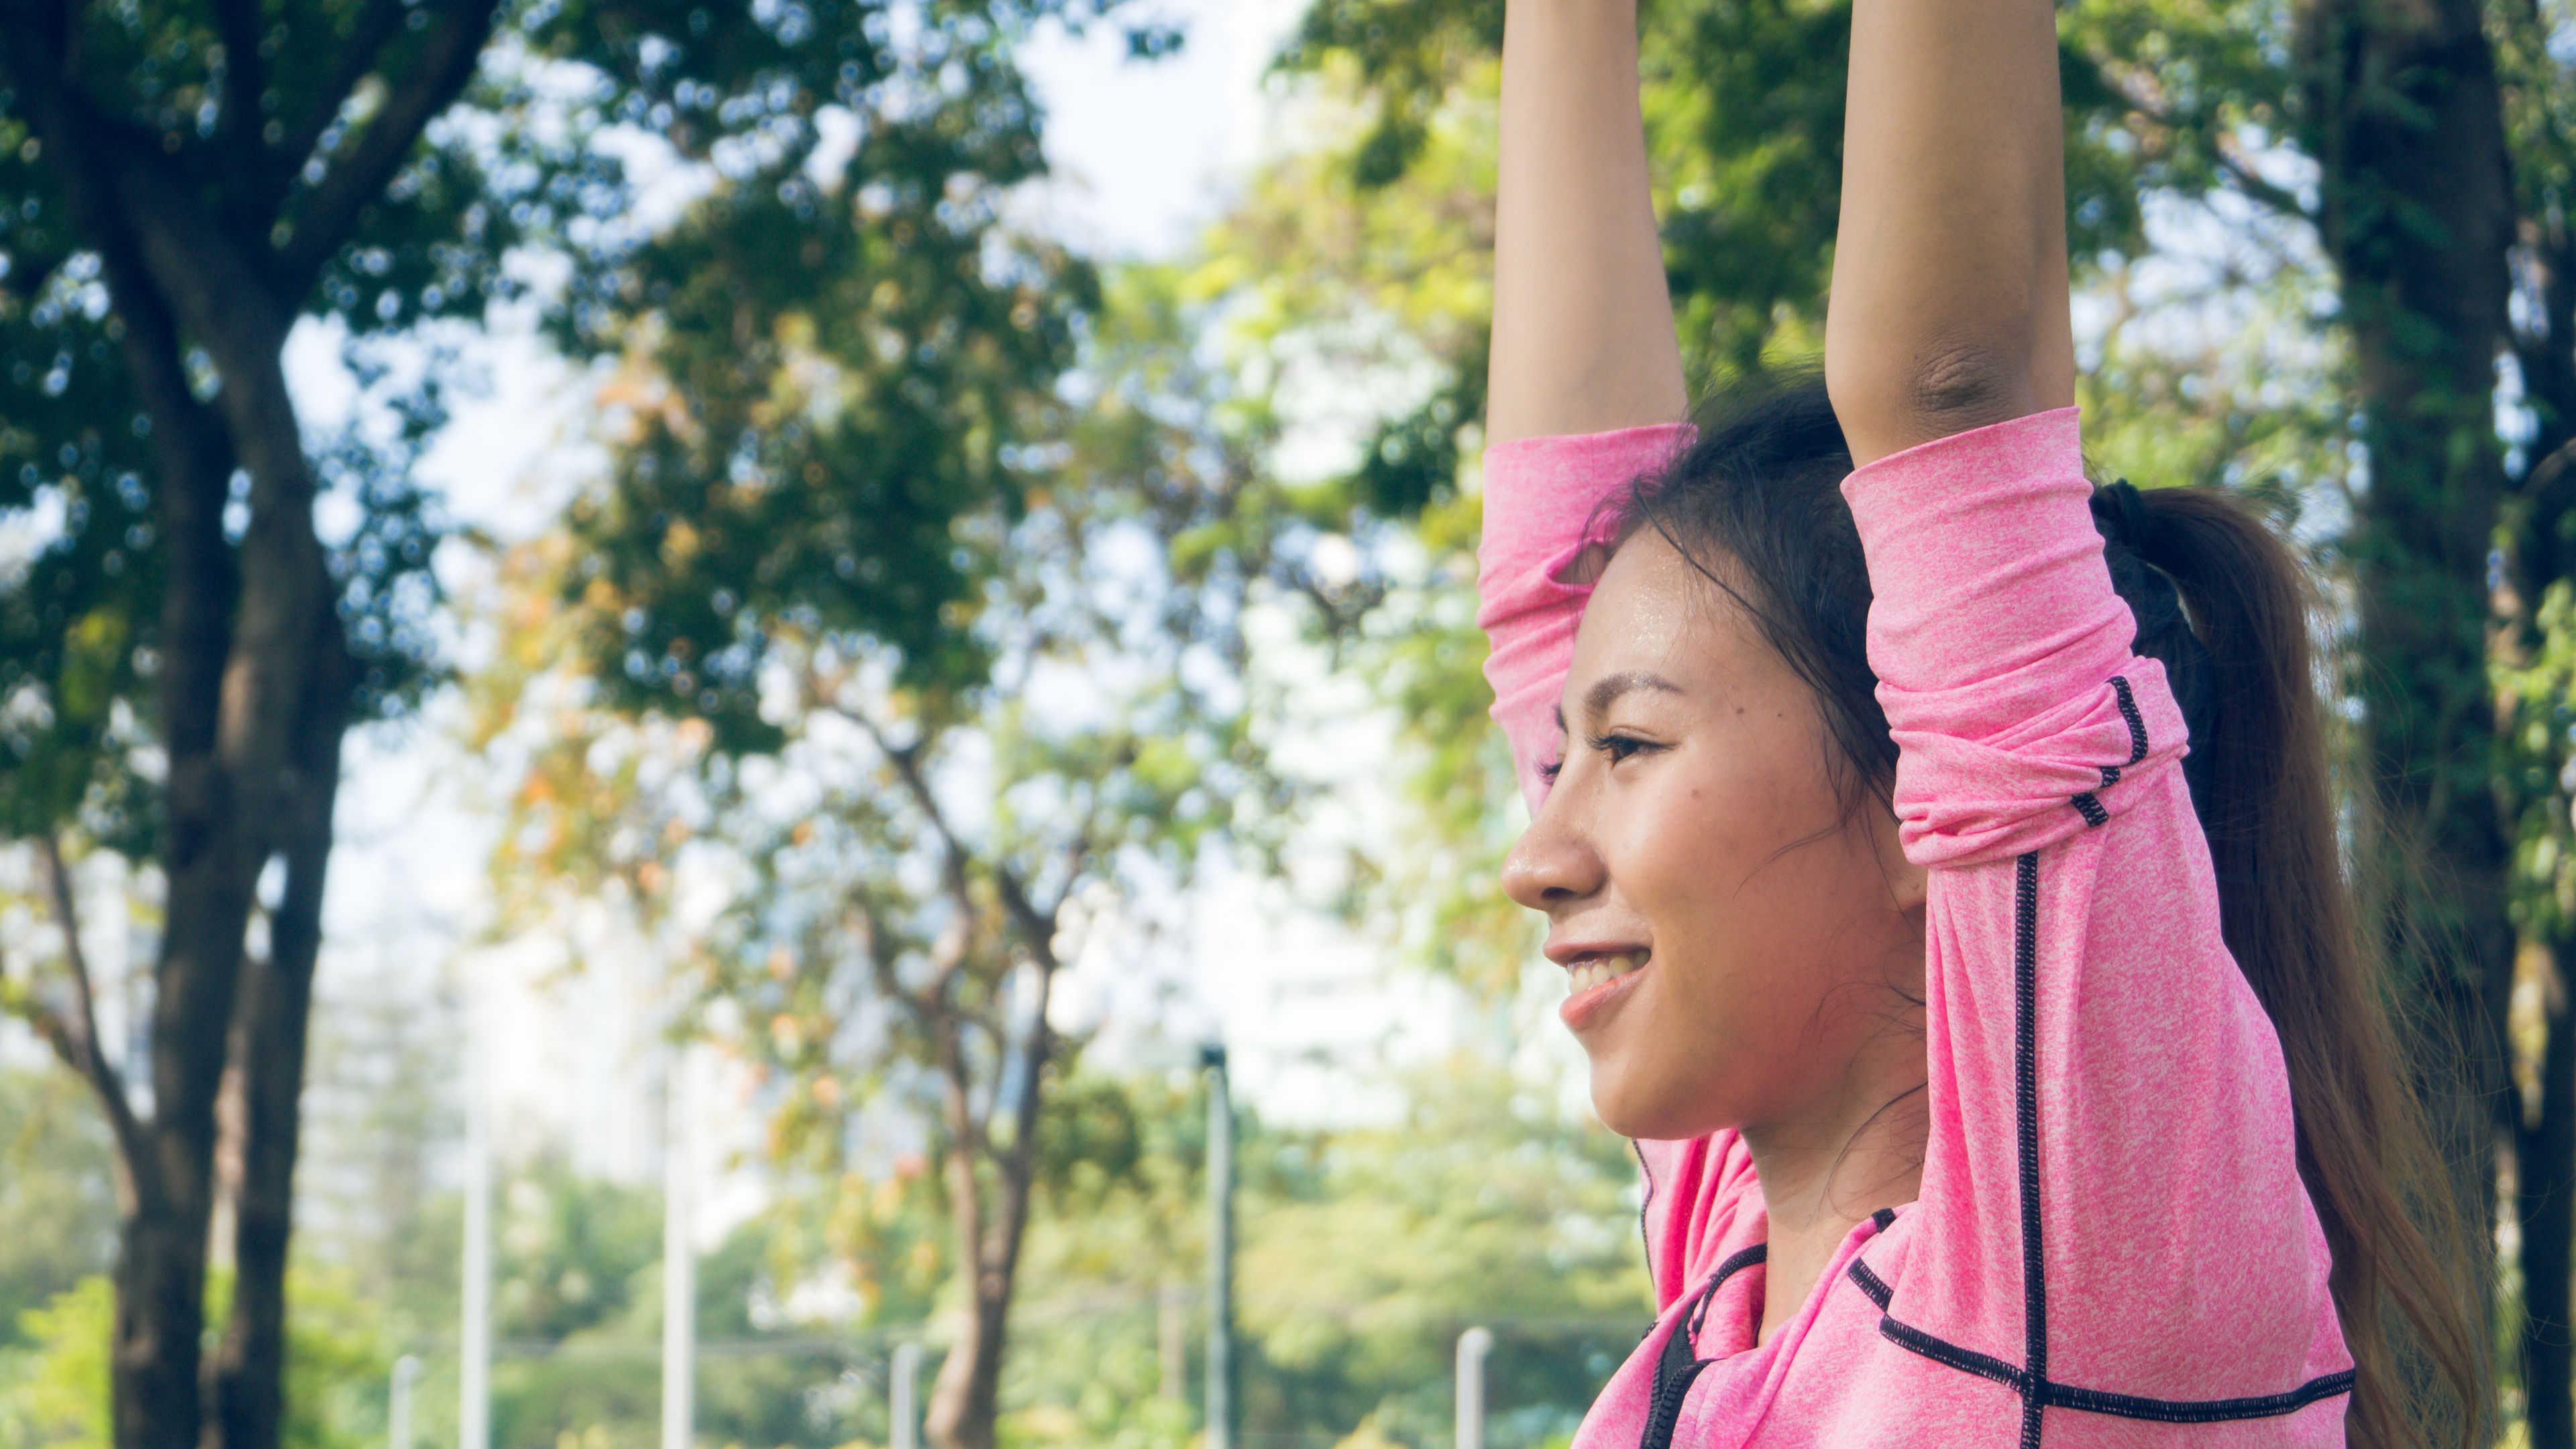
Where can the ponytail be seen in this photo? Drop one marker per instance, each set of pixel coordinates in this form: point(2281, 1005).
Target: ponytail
point(2225, 606)
point(2238, 652)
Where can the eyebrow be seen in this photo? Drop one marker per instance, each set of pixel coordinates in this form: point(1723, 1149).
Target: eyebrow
point(1606, 690)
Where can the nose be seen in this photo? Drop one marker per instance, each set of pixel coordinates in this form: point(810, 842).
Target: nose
point(1552, 865)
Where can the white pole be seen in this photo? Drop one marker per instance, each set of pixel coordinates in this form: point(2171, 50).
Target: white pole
point(1220, 1187)
point(1172, 1331)
point(398, 1412)
point(474, 1349)
point(679, 1266)
point(904, 1376)
point(1472, 1346)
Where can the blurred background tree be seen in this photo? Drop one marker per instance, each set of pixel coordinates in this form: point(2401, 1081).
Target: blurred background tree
point(931, 681)
point(187, 644)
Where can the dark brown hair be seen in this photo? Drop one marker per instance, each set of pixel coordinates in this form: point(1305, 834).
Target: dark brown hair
point(1756, 505)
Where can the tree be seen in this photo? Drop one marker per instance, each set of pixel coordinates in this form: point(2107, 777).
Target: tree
point(918, 763)
point(186, 648)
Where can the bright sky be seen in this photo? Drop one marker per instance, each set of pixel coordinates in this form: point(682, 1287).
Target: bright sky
point(1142, 151)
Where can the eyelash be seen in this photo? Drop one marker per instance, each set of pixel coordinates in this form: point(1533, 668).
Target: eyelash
point(1618, 747)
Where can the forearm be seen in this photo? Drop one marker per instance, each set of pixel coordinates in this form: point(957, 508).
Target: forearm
point(1583, 326)
point(1949, 305)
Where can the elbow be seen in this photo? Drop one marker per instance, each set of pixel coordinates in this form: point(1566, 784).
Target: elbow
point(1930, 392)
point(1970, 385)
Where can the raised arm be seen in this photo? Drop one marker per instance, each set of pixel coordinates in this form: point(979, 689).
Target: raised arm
point(1583, 325)
point(1949, 307)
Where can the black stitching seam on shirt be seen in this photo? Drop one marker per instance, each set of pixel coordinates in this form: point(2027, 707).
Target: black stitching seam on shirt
point(2085, 805)
point(1871, 1285)
point(2137, 721)
point(2034, 1284)
point(2200, 1411)
point(1679, 1364)
point(2031, 1383)
point(2091, 1401)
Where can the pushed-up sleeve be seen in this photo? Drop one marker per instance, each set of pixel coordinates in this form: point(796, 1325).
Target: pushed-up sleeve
point(2112, 1222)
point(1545, 500)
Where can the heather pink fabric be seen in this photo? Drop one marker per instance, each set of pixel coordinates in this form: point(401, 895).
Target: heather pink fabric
point(1545, 498)
point(2181, 1289)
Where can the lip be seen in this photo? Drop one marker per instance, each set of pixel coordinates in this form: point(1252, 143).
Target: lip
point(1583, 1008)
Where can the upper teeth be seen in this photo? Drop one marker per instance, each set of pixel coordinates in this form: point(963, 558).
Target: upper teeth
point(1595, 970)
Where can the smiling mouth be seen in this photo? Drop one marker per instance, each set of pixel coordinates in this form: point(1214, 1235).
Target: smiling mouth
point(1601, 970)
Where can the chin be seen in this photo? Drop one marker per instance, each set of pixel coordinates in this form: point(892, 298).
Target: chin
point(1653, 1116)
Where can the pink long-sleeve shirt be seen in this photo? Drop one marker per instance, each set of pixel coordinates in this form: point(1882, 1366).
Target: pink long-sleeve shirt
point(2112, 1245)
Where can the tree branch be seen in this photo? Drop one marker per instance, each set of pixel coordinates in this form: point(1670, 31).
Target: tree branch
point(2242, 177)
point(76, 1039)
point(376, 25)
point(436, 79)
point(949, 955)
point(881, 956)
point(1017, 1163)
point(2279, 198)
point(237, 141)
point(132, 196)
point(1036, 927)
point(195, 456)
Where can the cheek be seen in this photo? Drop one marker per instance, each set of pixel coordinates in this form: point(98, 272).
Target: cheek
point(1751, 886)
point(1726, 827)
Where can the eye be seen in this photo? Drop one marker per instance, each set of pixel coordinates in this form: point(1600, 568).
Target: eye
point(1619, 747)
point(1550, 770)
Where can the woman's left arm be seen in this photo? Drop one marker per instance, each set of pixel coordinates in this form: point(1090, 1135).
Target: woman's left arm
point(1949, 305)
point(2112, 1221)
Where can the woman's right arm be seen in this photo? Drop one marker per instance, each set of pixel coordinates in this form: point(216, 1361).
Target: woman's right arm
point(1586, 387)
point(1583, 324)
point(1585, 391)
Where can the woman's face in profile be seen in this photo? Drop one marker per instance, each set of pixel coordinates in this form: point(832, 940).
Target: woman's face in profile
point(1738, 945)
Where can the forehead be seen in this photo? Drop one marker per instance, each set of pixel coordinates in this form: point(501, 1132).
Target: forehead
point(1654, 611)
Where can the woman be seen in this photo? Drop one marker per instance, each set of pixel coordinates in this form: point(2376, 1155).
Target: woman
point(1973, 1107)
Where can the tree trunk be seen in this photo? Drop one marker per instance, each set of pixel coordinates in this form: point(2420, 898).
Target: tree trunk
point(966, 1400)
point(2402, 111)
point(2545, 1201)
point(245, 1388)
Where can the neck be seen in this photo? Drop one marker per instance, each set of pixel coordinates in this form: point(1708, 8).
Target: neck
point(1823, 1173)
